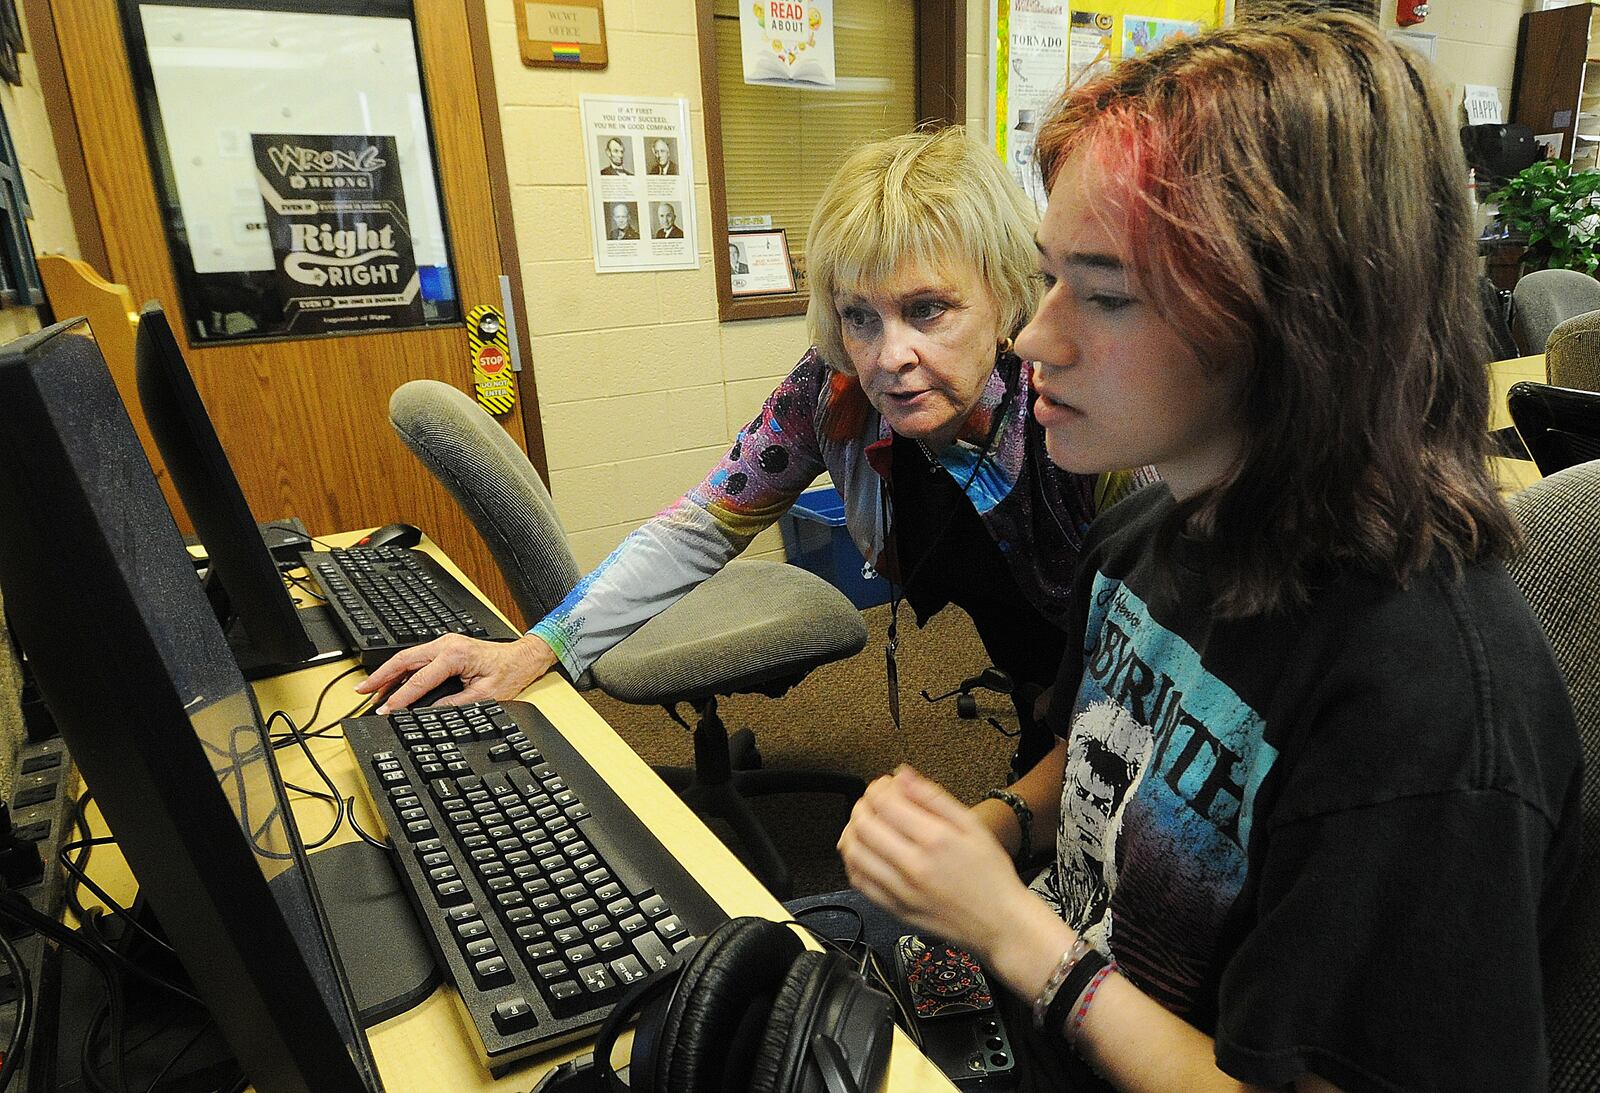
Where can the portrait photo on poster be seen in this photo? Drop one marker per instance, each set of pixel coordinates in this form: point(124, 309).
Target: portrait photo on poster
point(622, 220)
point(663, 156)
point(665, 215)
point(758, 262)
point(616, 154)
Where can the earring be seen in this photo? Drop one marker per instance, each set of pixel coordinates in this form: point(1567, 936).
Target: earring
point(1005, 345)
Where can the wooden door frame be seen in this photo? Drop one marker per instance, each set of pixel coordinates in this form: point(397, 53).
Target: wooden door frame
point(59, 107)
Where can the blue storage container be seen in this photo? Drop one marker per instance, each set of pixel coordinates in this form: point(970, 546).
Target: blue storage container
point(815, 538)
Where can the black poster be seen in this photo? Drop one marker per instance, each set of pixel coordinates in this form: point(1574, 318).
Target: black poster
point(341, 244)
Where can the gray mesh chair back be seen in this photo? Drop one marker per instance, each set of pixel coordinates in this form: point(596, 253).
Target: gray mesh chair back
point(755, 627)
point(495, 485)
point(1572, 353)
point(1560, 575)
point(1545, 299)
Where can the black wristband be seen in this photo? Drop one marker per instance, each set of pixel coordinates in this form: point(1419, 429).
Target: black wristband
point(1072, 988)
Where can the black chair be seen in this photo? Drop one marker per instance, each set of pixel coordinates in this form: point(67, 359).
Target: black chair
point(1560, 575)
point(1558, 425)
point(756, 627)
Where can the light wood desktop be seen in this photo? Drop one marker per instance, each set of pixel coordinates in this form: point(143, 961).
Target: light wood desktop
point(427, 1049)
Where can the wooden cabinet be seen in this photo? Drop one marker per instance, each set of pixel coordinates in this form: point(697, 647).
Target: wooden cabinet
point(1557, 84)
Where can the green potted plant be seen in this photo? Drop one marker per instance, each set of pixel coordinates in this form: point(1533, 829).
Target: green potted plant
point(1558, 210)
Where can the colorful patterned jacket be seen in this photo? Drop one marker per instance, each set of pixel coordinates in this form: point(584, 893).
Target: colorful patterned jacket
point(819, 420)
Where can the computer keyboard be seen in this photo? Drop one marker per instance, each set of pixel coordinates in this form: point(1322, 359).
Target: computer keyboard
point(544, 893)
point(389, 598)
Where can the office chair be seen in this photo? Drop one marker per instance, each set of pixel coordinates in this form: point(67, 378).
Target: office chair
point(1558, 426)
point(1572, 353)
point(756, 627)
point(1560, 575)
point(1546, 298)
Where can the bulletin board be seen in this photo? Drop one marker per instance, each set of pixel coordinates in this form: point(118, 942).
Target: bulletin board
point(1039, 46)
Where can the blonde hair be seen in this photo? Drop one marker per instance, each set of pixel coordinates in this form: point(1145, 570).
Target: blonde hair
point(935, 196)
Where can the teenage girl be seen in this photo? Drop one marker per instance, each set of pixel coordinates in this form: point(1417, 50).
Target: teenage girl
point(1314, 792)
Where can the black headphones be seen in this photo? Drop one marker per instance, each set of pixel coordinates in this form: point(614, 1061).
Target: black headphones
point(752, 1011)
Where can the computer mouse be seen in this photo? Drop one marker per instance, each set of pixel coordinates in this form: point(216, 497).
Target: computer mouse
point(400, 535)
point(451, 686)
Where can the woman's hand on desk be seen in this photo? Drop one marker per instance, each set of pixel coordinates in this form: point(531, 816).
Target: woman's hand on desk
point(487, 669)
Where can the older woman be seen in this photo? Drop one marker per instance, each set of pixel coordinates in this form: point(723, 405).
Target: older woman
point(922, 265)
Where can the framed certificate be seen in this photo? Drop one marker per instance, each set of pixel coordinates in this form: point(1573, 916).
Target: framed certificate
point(758, 262)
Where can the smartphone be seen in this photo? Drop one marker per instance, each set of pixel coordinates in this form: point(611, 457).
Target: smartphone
point(940, 979)
point(959, 1025)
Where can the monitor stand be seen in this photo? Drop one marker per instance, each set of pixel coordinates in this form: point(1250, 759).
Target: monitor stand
point(386, 959)
point(315, 619)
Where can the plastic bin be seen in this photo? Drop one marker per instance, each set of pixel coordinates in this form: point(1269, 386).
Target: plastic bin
point(815, 538)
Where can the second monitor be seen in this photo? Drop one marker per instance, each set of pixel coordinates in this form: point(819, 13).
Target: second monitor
point(377, 602)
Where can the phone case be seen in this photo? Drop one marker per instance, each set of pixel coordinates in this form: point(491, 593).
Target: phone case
point(941, 980)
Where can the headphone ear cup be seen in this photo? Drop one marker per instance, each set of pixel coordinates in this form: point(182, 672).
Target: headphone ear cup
point(783, 1044)
point(703, 1033)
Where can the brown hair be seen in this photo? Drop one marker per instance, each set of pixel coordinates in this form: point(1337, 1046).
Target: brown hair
point(1294, 186)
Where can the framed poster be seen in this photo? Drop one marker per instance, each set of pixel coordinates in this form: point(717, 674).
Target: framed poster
point(759, 261)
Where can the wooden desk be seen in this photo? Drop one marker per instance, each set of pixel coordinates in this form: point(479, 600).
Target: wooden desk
point(427, 1049)
point(1513, 474)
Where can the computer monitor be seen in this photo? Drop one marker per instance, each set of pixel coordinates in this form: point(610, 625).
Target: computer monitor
point(166, 733)
point(270, 634)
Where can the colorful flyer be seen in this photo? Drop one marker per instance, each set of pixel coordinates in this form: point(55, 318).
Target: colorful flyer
point(1141, 34)
point(341, 244)
point(787, 43)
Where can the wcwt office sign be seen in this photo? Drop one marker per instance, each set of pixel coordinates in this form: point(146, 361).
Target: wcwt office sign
point(341, 243)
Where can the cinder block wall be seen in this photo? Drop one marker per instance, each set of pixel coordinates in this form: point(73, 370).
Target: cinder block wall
point(640, 387)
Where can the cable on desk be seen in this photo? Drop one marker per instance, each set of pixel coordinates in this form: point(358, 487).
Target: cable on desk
point(77, 819)
point(311, 719)
point(305, 586)
point(345, 807)
point(81, 876)
point(19, 1032)
point(292, 530)
point(867, 965)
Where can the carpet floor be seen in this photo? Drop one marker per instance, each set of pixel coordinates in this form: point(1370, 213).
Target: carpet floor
point(838, 719)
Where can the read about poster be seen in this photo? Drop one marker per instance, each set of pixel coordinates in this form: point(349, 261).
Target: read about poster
point(341, 244)
point(787, 42)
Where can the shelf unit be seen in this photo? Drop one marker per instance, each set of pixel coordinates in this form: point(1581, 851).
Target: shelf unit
point(1557, 83)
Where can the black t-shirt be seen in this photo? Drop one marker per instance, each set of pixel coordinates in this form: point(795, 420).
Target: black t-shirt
point(1333, 838)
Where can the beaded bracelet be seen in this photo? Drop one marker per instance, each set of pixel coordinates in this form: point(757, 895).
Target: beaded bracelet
point(1072, 988)
point(1058, 975)
point(1024, 821)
